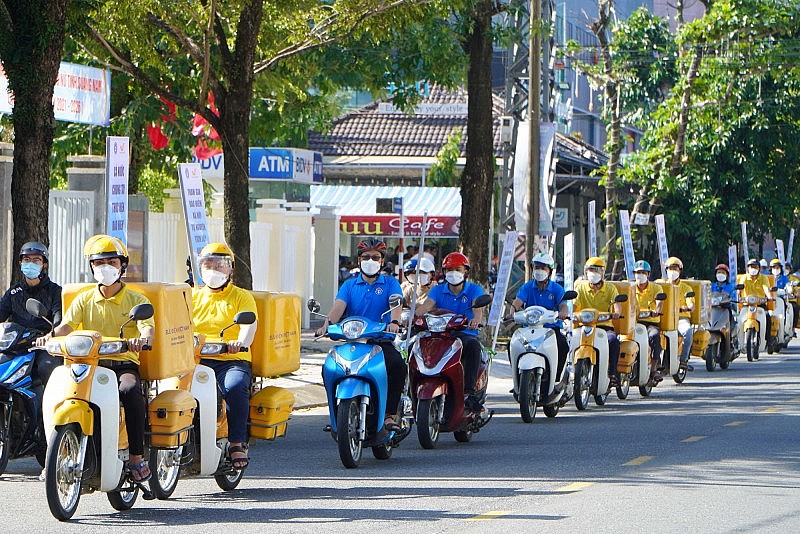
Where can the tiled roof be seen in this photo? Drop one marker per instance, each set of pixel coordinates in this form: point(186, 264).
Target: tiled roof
point(372, 131)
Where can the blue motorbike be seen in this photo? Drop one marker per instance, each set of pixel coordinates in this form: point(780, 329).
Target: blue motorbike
point(355, 378)
point(21, 431)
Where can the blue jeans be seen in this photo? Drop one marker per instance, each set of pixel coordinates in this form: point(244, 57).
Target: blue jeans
point(233, 380)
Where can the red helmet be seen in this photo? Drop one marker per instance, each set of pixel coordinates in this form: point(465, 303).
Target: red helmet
point(455, 259)
point(371, 243)
point(722, 267)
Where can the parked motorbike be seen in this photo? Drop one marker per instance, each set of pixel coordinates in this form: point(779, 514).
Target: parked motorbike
point(723, 345)
point(436, 379)
point(533, 353)
point(355, 379)
point(589, 348)
point(21, 431)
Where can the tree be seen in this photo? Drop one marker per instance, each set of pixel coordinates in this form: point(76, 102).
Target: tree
point(31, 40)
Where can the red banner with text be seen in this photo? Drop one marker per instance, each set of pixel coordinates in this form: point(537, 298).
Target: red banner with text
point(389, 225)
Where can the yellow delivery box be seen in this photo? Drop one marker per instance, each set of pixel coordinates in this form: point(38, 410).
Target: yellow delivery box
point(701, 314)
point(173, 345)
point(276, 347)
point(669, 310)
point(625, 325)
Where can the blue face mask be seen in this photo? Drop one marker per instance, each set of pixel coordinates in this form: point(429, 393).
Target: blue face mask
point(31, 270)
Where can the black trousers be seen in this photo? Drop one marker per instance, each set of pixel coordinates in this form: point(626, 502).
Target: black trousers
point(132, 399)
point(396, 372)
point(470, 359)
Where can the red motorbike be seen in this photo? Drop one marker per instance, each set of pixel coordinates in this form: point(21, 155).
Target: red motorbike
point(436, 379)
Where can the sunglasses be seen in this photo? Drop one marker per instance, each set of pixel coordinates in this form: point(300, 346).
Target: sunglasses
point(374, 257)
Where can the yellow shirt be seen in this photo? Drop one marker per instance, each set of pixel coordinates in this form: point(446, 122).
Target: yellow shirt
point(601, 299)
point(758, 286)
point(92, 311)
point(646, 300)
point(214, 311)
point(684, 288)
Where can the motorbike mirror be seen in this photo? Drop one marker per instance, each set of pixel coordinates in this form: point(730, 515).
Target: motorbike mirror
point(36, 308)
point(483, 300)
point(140, 312)
point(313, 305)
point(774, 288)
point(621, 298)
point(570, 295)
point(395, 301)
point(738, 287)
point(661, 296)
point(245, 317)
point(690, 294)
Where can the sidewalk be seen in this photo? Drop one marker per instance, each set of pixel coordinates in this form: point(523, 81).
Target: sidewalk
point(306, 382)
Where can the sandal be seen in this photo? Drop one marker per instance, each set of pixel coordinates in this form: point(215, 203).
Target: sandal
point(138, 470)
point(390, 425)
point(240, 463)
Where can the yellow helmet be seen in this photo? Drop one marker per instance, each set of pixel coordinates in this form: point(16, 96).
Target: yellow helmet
point(774, 262)
point(595, 261)
point(216, 250)
point(103, 246)
point(673, 261)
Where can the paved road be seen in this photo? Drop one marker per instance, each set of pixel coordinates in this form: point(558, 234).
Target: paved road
point(720, 453)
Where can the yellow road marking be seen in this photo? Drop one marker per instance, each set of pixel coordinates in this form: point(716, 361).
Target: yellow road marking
point(639, 460)
point(772, 410)
point(575, 486)
point(489, 515)
point(692, 439)
point(735, 423)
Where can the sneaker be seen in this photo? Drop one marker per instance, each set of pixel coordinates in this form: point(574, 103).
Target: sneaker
point(43, 475)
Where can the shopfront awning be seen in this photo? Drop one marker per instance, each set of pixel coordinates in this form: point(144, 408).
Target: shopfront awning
point(356, 207)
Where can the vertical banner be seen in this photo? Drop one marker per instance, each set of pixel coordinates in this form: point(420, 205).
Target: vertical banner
point(791, 246)
point(569, 265)
point(745, 249)
point(503, 274)
point(627, 242)
point(732, 264)
point(592, 229)
point(194, 212)
point(661, 238)
point(117, 167)
point(779, 251)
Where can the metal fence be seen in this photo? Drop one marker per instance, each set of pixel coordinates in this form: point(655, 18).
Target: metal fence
point(71, 224)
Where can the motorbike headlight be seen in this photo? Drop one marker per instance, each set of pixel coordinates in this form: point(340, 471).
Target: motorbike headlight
point(7, 339)
point(54, 347)
point(716, 301)
point(113, 347)
point(533, 316)
point(437, 323)
point(644, 314)
point(405, 315)
point(19, 373)
point(752, 300)
point(79, 345)
point(353, 328)
point(587, 316)
point(213, 348)
point(603, 317)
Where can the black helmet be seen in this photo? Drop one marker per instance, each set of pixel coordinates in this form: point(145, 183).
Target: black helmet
point(34, 247)
point(372, 243)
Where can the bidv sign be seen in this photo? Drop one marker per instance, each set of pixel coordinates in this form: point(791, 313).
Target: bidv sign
point(294, 164)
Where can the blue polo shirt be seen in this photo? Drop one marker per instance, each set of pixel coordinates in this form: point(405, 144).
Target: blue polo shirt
point(549, 298)
point(782, 281)
point(368, 300)
point(728, 288)
point(460, 304)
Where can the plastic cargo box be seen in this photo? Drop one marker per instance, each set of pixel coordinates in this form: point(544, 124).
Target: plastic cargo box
point(171, 414)
point(276, 348)
point(269, 412)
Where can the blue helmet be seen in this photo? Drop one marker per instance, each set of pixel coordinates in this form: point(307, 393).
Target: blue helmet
point(410, 265)
point(641, 265)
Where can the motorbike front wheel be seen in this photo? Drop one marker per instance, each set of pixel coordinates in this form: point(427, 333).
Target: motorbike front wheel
point(583, 381)
point(530, 383)
point(751, 344)
point(5, 436)
point(166, 466)
point(550, 410)
point(712, 354)
point(348, 422)
point(427, 423)
point(62, 480)
point(463, 436)
point(124, 499)
point(229, 481)
point(624, 386)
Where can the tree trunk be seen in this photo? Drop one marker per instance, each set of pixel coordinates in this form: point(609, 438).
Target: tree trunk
point(477, 180)
point(31, 54)
point(683, 117)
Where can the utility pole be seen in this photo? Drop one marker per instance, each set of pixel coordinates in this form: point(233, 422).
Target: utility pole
point(534, 120)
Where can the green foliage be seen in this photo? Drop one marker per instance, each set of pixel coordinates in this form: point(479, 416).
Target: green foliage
point(444, 173)
point(152, 183)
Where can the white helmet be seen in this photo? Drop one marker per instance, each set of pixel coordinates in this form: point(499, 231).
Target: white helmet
point(545, 259)
point(426, 266)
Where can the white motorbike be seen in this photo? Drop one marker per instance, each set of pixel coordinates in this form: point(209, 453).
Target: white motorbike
point(784, 315)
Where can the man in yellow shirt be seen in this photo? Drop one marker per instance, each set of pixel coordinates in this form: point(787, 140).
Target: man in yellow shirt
point(674, 268)
point(646, 292)
point(596, 294)
point(214, 307)
point(757, 284)
point(104, 309)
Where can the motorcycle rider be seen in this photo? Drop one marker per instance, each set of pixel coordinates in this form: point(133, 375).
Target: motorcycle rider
point(36, 284)
point(763, 266)
point(674, 268)
point(544, 292)
point(214, 306)
point(425, 282)
point(794, 283)
point(722, 285)
point(756, 283)
point(594, 293)
point(781, 279)
point(457, 296)
point(368, 295)
point(646, 292)
point(105, 309)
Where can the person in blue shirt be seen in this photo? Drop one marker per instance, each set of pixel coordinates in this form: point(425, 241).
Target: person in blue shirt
point(776, 269)
point(721, 284)
point(542, 291)
point(367, 295)
point(456, 296)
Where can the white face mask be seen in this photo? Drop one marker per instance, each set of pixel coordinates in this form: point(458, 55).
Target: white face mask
point(776, 272)
point(722, 277)
point(593, 277)
point(753, 271)
point(106, 274)
point(454, 277)
point(213, 279)
point(673, 275)
point(787, 272)
point(540, 275)
point(641, 278)
point(370, 267)
point(411, 278)
point(424, 279)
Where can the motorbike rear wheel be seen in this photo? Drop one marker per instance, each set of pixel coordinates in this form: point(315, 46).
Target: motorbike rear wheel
point(427, 424)
point(550, 410)
point(5, 437)
point(463, 436)
point(751, 345)
point(229, 481)
point(646, 390)
point(62, 486)
point(624, 387)
point(529, 383)
point(583, 381)
point(712, 354)
point(599, 398)
point(348, 421)
point(166, 467)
